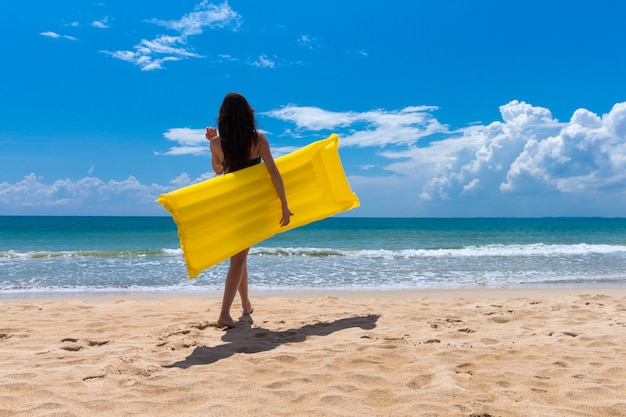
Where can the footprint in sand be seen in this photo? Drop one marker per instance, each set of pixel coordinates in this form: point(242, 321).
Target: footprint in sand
point(467, 330)
point(183, 336)
point(501, 320)
point(93, 343)
point(420, 381)
point(75, 347)
point(465, 368)
point(70, 348)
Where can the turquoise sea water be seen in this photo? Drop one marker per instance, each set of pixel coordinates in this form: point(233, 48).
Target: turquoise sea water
point(46, 255)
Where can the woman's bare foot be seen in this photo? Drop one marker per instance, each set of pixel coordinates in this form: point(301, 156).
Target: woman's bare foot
point(247, 309)
point(226, 322)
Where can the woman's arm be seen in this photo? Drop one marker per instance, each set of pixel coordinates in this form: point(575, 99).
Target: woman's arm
point(277, 179)
point(217, 156)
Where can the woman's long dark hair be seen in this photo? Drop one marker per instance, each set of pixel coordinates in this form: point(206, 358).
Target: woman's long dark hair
point(237, 127)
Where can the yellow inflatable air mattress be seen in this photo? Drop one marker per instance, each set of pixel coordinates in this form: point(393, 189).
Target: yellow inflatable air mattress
point(220, 217)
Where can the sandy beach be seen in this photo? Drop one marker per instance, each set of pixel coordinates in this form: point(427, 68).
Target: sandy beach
point(475, 353)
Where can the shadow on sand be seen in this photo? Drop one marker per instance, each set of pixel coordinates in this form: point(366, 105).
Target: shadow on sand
point(245, 339)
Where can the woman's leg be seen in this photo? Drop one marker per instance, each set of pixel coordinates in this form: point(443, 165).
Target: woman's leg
point(235, 275)
point(246, 305)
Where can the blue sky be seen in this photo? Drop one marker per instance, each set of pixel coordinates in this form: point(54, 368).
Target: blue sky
point(446, 108)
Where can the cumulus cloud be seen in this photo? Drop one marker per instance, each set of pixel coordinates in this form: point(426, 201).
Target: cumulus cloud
point(482, 155)
point(152, 54)
point(531, 153)
point(86, 195)
point(589, 152)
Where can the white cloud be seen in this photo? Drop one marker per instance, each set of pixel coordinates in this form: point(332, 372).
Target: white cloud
point(226, 57)
point(151, 54)
point(181, 181)
point(264, 62)
point(50, 34)
point(308, 41)
point(283, 150)
point(55, 35)
point(588, 153)
point(483, 154)
point(167, 45)
point(189, 141)
point(88, 195)
point(312, 118)
point(205, 15)
point(101, 24)
point(531, 153)
point(371, 128)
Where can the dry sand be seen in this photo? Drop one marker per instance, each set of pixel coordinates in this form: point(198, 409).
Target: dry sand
point(462, 353)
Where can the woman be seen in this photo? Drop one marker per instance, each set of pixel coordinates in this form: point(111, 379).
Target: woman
point(238, 146)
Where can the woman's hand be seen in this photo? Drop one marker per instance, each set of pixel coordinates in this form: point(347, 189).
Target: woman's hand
point(211, 133)
point(284, 221)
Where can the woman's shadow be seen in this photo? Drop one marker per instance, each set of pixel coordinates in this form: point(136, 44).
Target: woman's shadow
point(245, 339)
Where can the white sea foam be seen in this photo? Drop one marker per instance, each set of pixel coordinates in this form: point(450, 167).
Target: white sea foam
point(495, 250)
point(121, 253)
point(540, 250)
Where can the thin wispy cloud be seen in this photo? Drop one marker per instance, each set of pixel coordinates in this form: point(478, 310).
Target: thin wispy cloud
point(227, 58)
point(152, 54)
point(55, 35)
point(371, 128)
point(205, 15)
point(308, 41)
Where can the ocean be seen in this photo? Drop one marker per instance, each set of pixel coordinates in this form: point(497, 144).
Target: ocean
point(47, 256)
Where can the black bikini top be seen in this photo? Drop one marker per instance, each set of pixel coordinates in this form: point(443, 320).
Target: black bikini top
point(252, 162)
point(249, 163)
